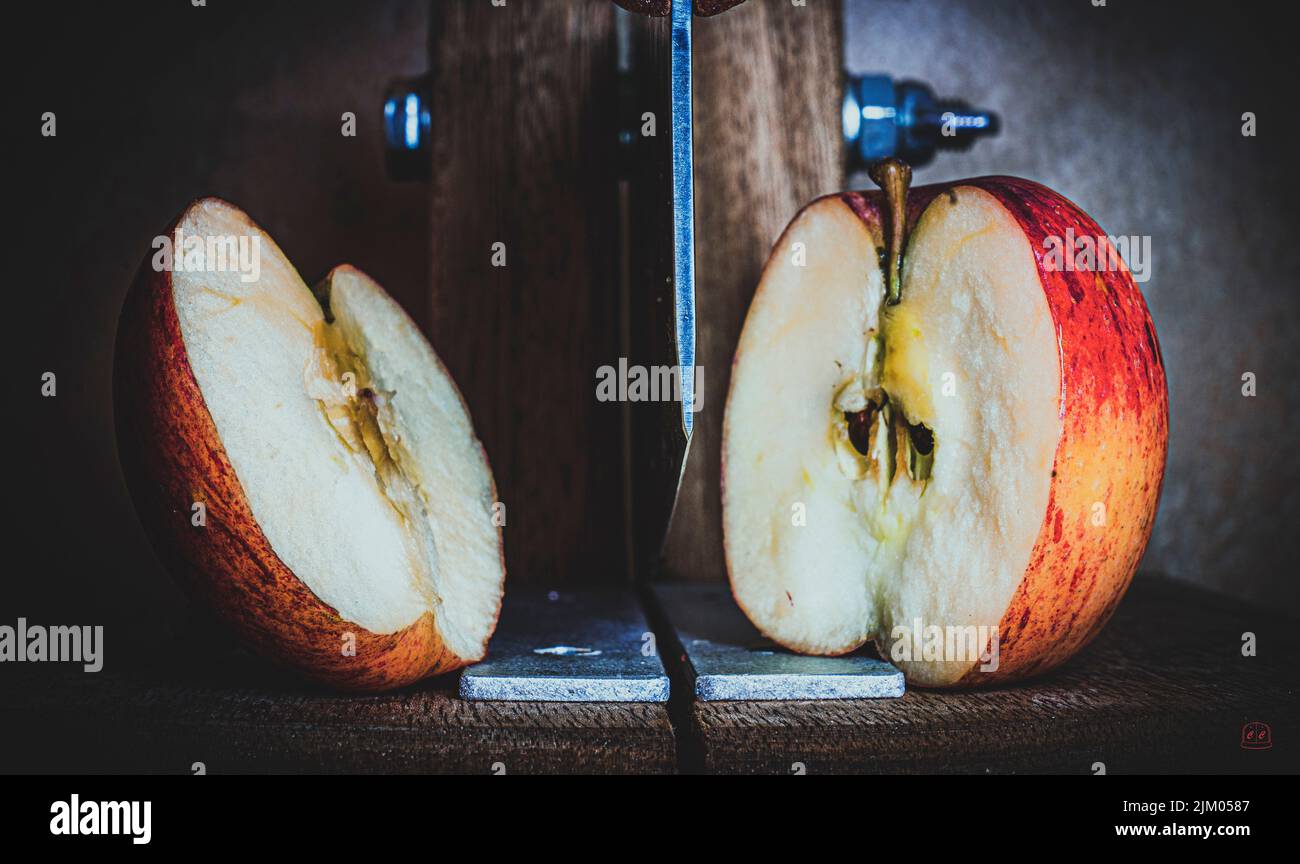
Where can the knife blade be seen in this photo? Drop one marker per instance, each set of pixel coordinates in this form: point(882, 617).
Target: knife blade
point(660, 255)
point(683, 209)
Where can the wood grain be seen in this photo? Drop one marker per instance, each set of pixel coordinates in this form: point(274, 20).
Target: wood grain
point(524, 140)
point(1164, 688)
point(200, 700)
point(767, 141)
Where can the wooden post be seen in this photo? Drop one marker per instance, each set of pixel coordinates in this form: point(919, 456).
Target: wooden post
point(524, 141)
point(525, 120)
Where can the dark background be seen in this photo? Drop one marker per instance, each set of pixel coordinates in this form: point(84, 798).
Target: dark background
point(1132, 110)
point(158, 104)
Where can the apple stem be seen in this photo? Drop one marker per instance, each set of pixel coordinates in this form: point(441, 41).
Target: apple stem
point(894, 176)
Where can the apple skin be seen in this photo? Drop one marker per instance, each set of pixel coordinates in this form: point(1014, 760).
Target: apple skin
point(172, 457)
point(1114, 408)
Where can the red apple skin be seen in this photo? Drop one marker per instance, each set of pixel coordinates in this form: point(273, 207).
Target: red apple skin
point(172, 457)
point(1114, 407)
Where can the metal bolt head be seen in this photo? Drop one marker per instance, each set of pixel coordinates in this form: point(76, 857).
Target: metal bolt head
point(883, 118)
point(407, 129)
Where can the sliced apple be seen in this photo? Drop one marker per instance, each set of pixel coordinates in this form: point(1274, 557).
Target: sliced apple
point(985, 453)
point(306, 465)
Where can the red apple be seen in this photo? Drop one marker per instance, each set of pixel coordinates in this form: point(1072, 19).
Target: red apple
point(985, 453)
point(304, 464)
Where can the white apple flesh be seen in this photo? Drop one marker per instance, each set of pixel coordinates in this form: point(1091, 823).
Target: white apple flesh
point(348, 505)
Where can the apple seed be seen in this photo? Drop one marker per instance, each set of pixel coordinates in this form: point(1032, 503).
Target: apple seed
point(860, 428)
point(920, 451)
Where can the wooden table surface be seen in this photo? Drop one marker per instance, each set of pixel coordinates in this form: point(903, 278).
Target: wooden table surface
point(1164, 688)
point(233, 713)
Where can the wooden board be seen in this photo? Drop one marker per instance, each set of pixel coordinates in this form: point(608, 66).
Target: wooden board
point(767, 141)
point(524, 154)
point(234, 714)
point(1164, 688)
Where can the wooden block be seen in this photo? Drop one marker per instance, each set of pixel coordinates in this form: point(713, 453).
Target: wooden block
point(524, 136)
point(1164, 688)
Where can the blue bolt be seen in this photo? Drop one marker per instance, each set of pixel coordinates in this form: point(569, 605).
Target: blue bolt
point(882, 117)
point(407, 125)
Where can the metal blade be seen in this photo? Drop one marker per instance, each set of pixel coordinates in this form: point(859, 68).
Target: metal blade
point(655, 56)
point(683, 208)
point(562, 647)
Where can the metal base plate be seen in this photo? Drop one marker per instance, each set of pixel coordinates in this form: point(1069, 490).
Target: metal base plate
point(569, 647)
point(730, 660)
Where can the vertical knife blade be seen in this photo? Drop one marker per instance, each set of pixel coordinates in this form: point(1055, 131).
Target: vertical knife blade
point(683, 209)
point(655, 58)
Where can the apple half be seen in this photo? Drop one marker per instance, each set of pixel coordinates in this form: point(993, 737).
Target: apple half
point(986, 452)
point(304, 463)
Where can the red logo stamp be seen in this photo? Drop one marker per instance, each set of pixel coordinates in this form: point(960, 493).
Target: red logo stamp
point(1256, 736)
